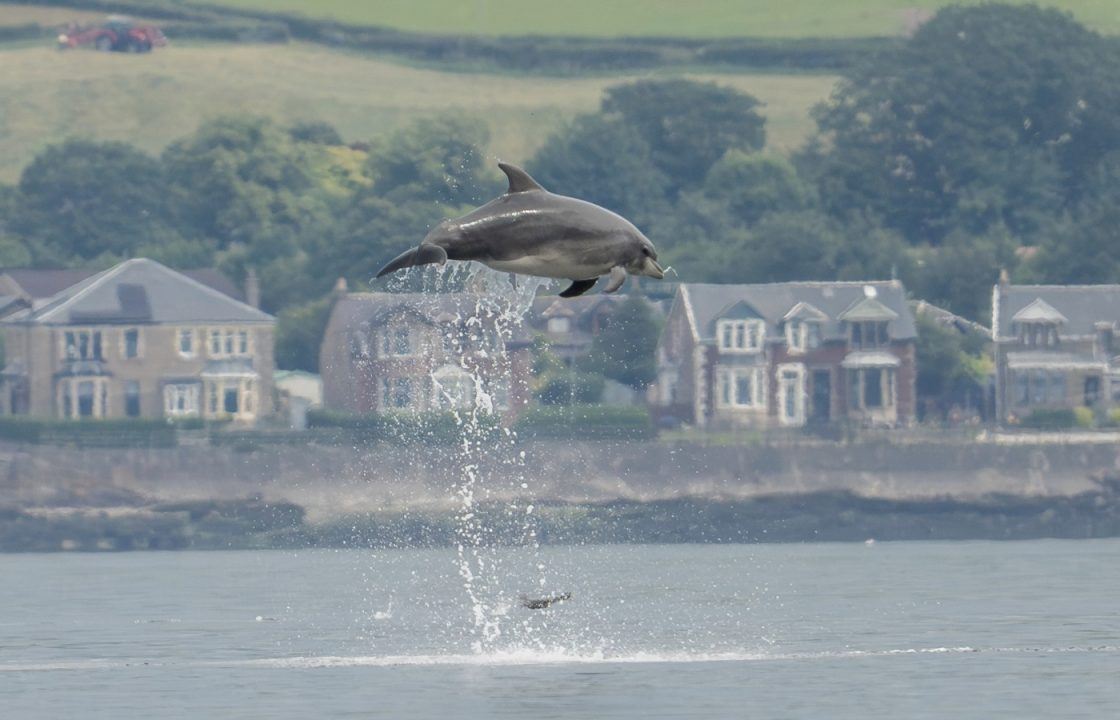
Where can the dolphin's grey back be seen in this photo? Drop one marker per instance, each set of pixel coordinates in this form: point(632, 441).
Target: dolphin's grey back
point(525, 223)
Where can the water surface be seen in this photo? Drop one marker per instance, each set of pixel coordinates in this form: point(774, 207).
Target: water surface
point(915, 630)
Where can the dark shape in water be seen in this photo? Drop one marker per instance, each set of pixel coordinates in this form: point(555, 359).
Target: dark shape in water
point(531, 231)
point(542, 603)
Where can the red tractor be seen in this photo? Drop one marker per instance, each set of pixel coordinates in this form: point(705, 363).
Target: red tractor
point(118, 34)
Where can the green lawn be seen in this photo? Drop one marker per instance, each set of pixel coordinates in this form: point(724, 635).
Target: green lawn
point(678, 18)
point(149, 100)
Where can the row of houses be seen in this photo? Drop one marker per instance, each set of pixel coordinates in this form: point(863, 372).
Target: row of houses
point(142, 340)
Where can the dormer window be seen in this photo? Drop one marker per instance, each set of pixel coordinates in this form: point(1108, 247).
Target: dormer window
point(802, 335)
point(869, 334)
point(1038, 334)
point(740, 336)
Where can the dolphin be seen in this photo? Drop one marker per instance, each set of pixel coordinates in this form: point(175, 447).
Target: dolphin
point(531, 231)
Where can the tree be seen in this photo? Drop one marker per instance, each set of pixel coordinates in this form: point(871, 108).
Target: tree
point(604, 161)
point(299, 334)
point(752, 185)
point(950, 364)
point(626, 350)
point(81, 200)
point(437, 161)
point(687, 125)
point(989, 116)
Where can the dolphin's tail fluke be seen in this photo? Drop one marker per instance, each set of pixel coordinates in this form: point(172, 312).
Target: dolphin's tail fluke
point(422, 255)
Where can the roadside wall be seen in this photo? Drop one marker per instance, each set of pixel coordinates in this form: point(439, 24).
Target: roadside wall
point(330, 481)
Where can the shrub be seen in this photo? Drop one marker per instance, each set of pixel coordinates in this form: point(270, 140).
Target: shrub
point(1051, 419)
point(401, 428)
point(90, 433)
point(586, 422)
point(1083, 417)
point(566, 387)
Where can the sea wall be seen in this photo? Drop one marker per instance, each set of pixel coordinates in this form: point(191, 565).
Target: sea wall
point(332, 481)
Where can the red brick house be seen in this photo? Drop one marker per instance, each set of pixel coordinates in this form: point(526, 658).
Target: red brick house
point(787, 355)
point(419, 352)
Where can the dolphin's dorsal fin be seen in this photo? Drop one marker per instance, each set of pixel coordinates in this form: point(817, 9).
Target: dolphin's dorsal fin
point(519, 180)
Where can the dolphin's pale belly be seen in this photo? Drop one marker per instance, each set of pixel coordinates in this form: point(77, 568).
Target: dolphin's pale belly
point(548, 265)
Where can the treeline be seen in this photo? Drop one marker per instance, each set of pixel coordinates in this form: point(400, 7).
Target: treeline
point(536, 54)
point(989, 140)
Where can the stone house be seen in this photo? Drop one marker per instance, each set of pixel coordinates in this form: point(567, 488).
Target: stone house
point(418, 352)
point(1054, 347)
point(138, 340)
point(787, 355)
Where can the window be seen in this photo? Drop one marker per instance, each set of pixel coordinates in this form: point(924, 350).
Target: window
point(802, 335)
point(230, 342)
point(185, 342)
point(739, 388)
point(869, 334)
point(453, 388)
point(743, 336)
point(559, 325)
point(1038, 334)
point(396, 392)
point(1039, 387)
point(132, 398)
point(396, 341)
point(83, 345)
point(132, 343)
point(179, 399)
point(871, 388)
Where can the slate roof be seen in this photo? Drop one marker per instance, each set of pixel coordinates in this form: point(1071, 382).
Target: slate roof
point(1081, 305)
point(139, 291)
point(38, 283)
point(774, 301)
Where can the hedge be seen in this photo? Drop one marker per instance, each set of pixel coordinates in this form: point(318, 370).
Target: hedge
point(586, 422)
point(1050, 419)
point(89, 433)
point(402, 428)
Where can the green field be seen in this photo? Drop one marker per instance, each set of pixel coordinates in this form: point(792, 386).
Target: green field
point(149, 100)
point(673, 18)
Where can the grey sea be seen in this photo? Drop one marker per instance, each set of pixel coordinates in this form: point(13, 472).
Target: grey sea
point(886, 630)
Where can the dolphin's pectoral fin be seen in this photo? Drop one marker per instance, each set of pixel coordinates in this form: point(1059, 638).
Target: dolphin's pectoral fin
point(618, 276)
point(422, 255)
point(579, 287)
point(519, 180)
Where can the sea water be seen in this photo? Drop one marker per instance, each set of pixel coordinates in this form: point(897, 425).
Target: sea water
point(885, 630)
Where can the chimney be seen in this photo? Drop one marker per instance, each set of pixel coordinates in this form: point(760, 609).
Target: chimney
point(252, 289)
point(1104, 332)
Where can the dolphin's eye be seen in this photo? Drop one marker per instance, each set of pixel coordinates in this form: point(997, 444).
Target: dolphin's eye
point(646, 251)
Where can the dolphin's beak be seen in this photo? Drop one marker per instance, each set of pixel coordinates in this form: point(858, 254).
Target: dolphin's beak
point(652, 269)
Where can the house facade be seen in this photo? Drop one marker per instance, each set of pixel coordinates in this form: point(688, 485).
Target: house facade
point(418, 352)
point(138, 340)
point(1054, 347)
point(787, 355)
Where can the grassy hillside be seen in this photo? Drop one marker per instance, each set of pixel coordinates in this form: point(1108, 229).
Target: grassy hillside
point(46, 95)
point(696, 18)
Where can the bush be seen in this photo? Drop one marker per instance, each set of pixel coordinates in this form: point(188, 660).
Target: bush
point(1083, 417)
point(586, 422)
point(566, 387)
point(399, 428)
point(1051, 419)
point(89, 433)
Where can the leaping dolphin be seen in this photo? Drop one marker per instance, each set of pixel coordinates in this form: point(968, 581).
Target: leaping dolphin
point(531, 231)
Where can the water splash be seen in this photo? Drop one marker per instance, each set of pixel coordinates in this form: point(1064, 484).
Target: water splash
point(478, 388)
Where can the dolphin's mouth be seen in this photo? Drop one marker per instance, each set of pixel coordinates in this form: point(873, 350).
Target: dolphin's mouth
point(652, 269)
